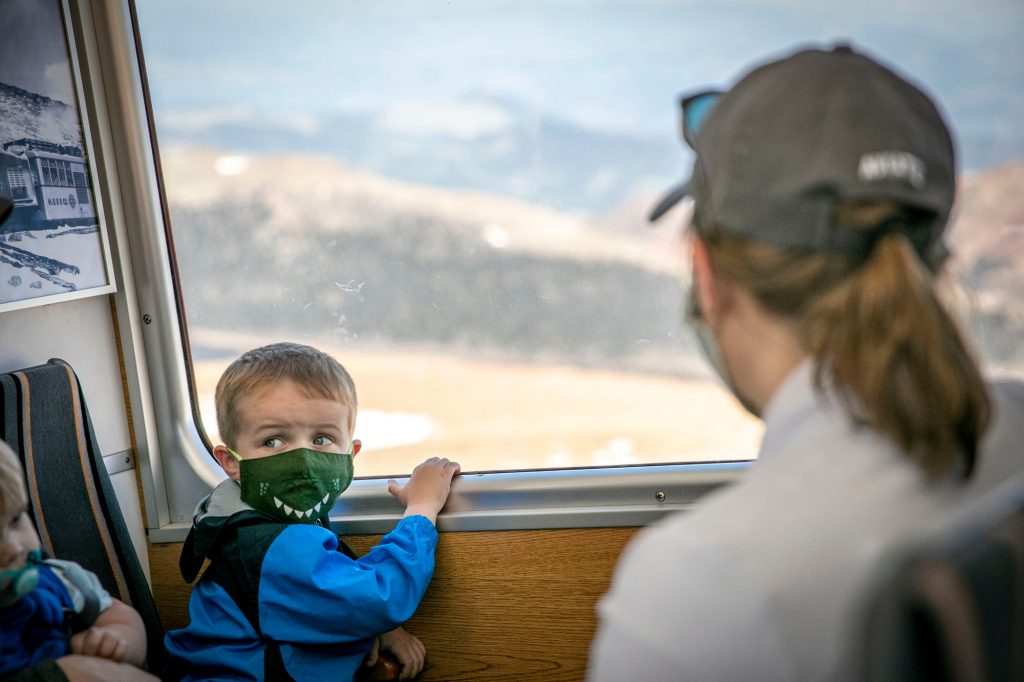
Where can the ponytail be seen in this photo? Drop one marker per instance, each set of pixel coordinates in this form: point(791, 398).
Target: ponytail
point(899, 359)
point(879, 335)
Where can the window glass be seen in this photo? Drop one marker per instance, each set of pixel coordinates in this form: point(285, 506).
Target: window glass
point(451, 198)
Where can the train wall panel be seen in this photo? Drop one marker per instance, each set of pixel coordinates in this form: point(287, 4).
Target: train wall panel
point(507, 605)
point(82, 333)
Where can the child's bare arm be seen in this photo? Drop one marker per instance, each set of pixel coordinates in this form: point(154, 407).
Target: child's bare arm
point(78, 668)
point(118, 635)
point(427, 489)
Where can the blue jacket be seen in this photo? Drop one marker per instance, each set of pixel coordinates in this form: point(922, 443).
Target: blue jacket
point(32, 629)
point(37, 627)
point(289, 601)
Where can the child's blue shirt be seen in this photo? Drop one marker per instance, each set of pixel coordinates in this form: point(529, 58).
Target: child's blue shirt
point(32, 628)
point(37, 626)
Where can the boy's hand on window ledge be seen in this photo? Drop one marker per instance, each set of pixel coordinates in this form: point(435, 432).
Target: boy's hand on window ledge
point(427, 489)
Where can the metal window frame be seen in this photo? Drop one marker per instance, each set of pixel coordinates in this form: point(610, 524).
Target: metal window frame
point(175, 464)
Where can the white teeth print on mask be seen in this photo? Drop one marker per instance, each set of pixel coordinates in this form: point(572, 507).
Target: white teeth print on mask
point(308, 513)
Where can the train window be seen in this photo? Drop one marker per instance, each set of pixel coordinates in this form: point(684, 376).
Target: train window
point(451, 198)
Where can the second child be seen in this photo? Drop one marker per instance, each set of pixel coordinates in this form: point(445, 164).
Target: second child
point(57, 623)
point(283, 598)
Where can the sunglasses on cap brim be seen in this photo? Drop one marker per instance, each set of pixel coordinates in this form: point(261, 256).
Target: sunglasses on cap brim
point(694, 111)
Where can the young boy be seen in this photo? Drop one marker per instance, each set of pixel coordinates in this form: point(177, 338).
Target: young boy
point(46, 605)
point(282, 599)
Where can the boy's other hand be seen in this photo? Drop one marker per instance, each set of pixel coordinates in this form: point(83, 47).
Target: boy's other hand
point(428, 487)
point(100, 642)
point(371, 658)
point(407, 649)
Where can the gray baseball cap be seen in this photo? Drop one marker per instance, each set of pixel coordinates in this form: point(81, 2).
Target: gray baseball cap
point(793, 137)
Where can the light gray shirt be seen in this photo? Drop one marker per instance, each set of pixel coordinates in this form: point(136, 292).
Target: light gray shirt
point(75, 579)
point(760, 581)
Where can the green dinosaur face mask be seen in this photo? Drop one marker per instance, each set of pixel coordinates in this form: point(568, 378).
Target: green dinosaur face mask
point(297, 486)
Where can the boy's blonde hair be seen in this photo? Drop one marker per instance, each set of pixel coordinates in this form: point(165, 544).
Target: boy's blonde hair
point(312, 369)
point(12, 480)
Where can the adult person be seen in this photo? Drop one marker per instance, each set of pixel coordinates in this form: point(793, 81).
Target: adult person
point(822, 186)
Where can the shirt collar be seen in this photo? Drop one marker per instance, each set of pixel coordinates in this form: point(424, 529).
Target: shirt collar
point(225, 500)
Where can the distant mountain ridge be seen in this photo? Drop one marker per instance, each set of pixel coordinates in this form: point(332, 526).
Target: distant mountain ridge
point(304, 248)
point(535, 158)
point(987, 238)
point(301, 246)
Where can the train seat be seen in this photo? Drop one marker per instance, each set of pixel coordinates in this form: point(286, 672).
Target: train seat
point(71, 500)
point(952, 609)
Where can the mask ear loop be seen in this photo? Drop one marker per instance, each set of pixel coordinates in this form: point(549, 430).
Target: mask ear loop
point(694, 317)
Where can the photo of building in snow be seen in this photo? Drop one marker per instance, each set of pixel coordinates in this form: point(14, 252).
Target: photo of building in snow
point(53, 242)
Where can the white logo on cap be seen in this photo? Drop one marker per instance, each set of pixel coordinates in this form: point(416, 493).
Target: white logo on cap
point(891, 165)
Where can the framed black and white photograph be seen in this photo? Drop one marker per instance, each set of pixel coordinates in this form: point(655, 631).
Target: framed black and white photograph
point(53, 246)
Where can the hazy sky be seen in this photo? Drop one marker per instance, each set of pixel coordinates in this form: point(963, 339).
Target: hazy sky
point(458, 67)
